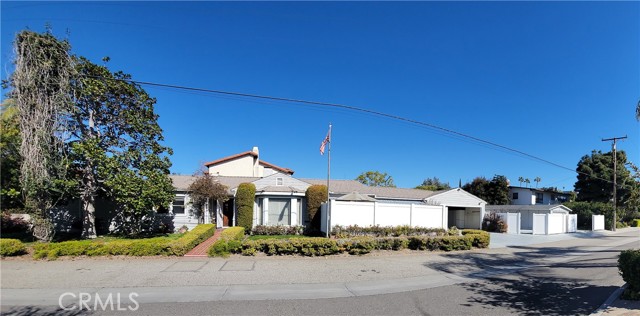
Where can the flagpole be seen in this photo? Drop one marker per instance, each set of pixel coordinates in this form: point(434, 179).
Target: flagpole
point(328, 185)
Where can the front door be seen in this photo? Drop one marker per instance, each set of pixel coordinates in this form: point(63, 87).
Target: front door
point(227, 213)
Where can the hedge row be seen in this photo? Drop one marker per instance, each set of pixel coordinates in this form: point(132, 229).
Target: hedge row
point(128, 247)
point(277, 230)
point(11, 247)
point(230, 241)
point(385, 231)
point(629, 266)
point(361, 245)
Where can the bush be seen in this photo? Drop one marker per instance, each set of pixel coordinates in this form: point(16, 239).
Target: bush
point(11, 224)
point(629, 266)
point(127, 247)
point(277, 230)
point(315, 195)
point(11, 247)
point(385, 231)
point(586, 209)
point(621, 225)
point(479, 238)
point(245, 197)
point(229, 242)
point(494, 223)
point(635, 223)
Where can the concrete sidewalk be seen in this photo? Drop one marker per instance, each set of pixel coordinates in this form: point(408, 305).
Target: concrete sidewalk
point(171, 279)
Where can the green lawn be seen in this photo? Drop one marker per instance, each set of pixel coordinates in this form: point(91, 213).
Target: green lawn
point(258, 237)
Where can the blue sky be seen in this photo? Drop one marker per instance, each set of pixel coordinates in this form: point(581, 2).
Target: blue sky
point(547, 78)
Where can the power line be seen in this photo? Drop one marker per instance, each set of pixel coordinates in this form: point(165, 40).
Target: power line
point(357, 109)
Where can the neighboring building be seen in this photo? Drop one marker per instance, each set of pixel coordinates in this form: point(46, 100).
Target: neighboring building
point(526, 212)
point(280, 198)
point(534, 196)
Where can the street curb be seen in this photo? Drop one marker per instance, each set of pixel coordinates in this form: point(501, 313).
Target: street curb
point(614, 296)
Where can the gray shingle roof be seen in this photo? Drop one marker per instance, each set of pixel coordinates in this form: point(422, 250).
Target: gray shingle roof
point(347, 186)
point(515, 208)
point(182, 182)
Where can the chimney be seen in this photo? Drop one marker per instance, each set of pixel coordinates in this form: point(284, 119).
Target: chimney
point(256, 162)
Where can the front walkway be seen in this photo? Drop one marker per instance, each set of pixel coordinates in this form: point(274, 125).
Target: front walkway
point(201, 249)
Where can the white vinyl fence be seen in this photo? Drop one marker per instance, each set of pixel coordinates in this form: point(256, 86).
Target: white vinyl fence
point(548, 224)
point(513, 221)
point(363, 214)
point(597, 222)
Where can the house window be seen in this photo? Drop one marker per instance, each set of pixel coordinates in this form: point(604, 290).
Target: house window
point(279, 181)
point(515, 196)
point(539, 198)
point(279, 212)
point(178, 205)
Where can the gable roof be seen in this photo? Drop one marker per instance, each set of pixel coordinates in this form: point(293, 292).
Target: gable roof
point(253, 154)
point(343, 187)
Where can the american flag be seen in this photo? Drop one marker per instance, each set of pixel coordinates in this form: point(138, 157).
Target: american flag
point(324, 142)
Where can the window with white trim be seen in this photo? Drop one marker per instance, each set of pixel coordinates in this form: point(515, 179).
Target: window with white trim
point(279, 181)
point(279, 212)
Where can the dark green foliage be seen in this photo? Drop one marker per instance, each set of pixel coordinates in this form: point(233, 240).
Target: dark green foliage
point(245, 197)
point(629, 266)
point(376, 179)
point(364, 244)
point(277, 230)
point(11, 247)
point(164, 246)
point(494, 192)
point(595, 172)
point(384, 231)
point(585, 210)
point(315, 195)
point(493, 223)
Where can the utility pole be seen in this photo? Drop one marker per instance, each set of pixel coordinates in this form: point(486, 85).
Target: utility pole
point(615, 176)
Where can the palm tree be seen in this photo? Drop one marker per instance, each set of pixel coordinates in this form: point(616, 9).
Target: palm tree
point(527, 181)
point(537, 180)
point(521, 179)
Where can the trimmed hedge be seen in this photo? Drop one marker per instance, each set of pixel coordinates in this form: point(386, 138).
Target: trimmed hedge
point(245, 197)
point(127, 247)
point(11, 247)
point(315, 196)
point(361, 245)
point(229, 241)
point(629, 266)
point(277, 230)
point(385, 231)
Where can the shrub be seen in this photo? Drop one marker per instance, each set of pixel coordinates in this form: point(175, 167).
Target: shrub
point(11, 224)
point(385, 231)
point(479, 238)
point(315, 195)
point(127, 247)
point(277, 230)
point(586, 209)
point(245, 197)
point(494, 223)
point(635, 223)
point(229, 242)
point(621, 225)
point(11, 247)
point(629, 266)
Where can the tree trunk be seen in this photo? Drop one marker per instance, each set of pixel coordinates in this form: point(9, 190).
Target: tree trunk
point(88, 216)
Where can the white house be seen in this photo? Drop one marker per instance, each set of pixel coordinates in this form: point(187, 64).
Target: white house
point(280, 199)
point(524, 218)
point(534, 196)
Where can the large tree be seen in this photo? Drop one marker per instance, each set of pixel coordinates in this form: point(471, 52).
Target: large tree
point(117, 147)
point(433, 184)
point(595, 177)
point(494, 192)
point(40, 86)
point(89, 131)
point(376, 179)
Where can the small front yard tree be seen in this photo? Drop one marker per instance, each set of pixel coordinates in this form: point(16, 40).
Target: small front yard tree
point(316, 195)
point(245, 197)
point(203, 191)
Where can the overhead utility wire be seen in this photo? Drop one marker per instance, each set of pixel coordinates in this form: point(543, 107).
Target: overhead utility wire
point(353, 108)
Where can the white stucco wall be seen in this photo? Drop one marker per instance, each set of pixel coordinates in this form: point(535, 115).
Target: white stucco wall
point(245, 166)
point(345, 213)
point(392, 214)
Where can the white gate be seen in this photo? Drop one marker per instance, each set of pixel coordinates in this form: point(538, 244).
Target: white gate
point(597, 222)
